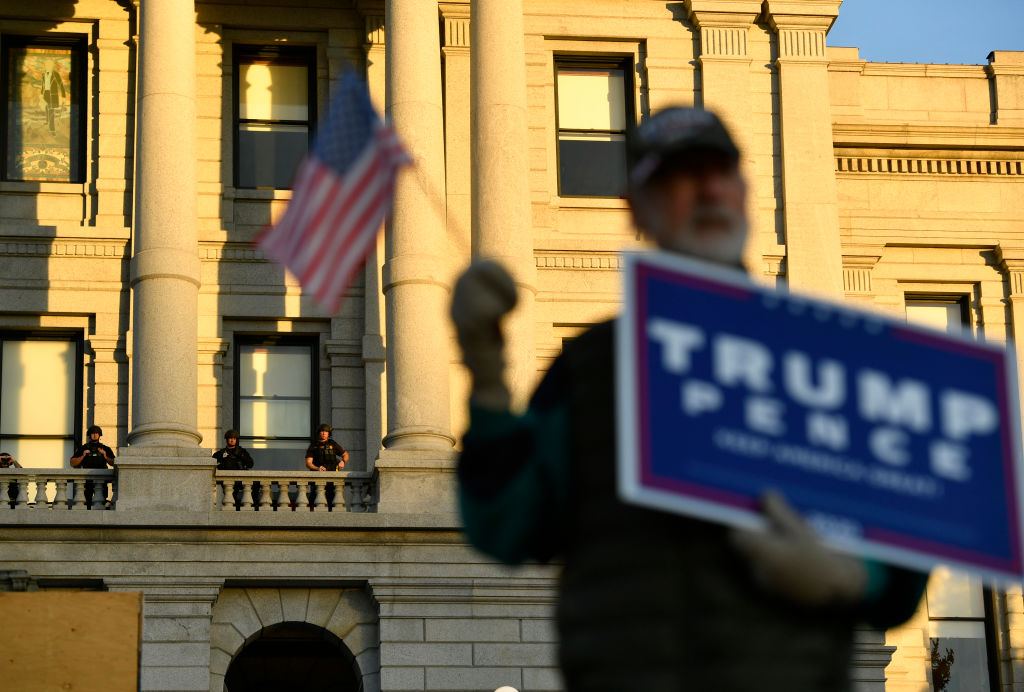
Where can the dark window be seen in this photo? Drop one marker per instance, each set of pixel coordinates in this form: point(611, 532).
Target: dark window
point(44, 128)
point(276, 397)
point(960, 623)
point(40, 397)
point(275, 107)
point(595, 108)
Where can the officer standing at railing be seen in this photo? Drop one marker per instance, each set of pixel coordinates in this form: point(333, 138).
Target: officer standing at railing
point(324, 454)
point(232, 457)
point(93, 454)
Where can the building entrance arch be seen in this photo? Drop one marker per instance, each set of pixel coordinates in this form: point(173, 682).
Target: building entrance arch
point(294, 656)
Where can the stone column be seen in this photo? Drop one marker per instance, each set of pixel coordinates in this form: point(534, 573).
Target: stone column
point(809, 197)
point(1006, 71)
point(415, 468)
point(165, 264)
point(175, 630)
point(414, 276)
point(373, 352)
point(502, 227)
point(724, 61)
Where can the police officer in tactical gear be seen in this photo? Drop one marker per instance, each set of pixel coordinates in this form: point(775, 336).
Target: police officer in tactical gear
point(325, 454)
point(232, 457)
point(93, 454)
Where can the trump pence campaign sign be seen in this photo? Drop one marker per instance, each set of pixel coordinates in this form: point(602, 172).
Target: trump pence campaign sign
point(893, 441)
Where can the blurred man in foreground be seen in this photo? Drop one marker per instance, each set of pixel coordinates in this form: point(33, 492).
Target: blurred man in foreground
point(652, 601)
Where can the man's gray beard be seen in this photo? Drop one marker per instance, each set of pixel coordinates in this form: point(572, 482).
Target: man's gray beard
point(724, 245)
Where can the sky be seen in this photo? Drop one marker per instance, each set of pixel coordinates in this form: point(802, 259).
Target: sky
point(958, 32)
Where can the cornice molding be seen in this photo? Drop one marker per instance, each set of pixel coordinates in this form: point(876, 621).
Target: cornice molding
point(887, 135)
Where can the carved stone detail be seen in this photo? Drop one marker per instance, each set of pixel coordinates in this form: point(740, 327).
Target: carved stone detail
point(801, 43)
point(720, 42)
point(456, 32)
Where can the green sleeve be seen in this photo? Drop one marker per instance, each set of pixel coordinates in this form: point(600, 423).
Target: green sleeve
point(513, 483)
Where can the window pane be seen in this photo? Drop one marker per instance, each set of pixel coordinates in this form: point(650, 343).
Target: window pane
point(42, 133)
point(942, 315)
point(274, 371)
point(954, 594)
point(592, 165)
point(274, 418)
point(959, 664)
point(37, 388)
point(269, 155)
point(273, 92)
point(278, 455)
point(39, 454)
point(591, 99)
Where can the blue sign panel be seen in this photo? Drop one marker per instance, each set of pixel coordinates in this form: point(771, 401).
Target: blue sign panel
point(894, 441)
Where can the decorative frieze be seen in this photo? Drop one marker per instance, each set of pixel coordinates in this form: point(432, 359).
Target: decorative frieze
point(230, 253)
point(909, 166)
point(610, 261)
point(22, 248)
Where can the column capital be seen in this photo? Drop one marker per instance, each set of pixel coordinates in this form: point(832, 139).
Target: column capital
point(1011, 261)
point(723, 26)
point(719, 13)
point(456, 27)
point(802, 14)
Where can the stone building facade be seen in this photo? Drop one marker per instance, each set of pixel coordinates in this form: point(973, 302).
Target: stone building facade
point(131, 296)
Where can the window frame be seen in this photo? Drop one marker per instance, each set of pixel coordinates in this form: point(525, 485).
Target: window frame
point(987, 620)
point(78, 43)
point(961, 299)
point(305, 55)
point(626, 62)
point(312, 341)
point(77, 339)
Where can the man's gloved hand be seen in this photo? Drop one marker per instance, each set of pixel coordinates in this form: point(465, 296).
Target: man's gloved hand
point(483, 295)
point(790, 560)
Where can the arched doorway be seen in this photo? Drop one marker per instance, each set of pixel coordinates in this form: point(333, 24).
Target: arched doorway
point(294, 656)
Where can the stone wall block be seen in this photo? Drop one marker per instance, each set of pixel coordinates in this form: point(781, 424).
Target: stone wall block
point(469, 630)
point(267, 604)
point(451, 679)
point(513, 655)
point(423, 654)
point(226, 638)
point(294, 604)
point(403, 629)
point(542, 679)
point(321, 605)
point(394, 679)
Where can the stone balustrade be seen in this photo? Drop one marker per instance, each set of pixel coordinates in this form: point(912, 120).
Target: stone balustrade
point(307, 491)
point(57, 489)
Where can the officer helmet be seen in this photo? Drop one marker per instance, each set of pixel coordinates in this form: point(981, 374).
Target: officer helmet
point(231, 433)
point(324, 427)
point(94, 429)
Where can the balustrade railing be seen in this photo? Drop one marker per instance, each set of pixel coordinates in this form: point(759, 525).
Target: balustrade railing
point(307, 491)
point(57, 489)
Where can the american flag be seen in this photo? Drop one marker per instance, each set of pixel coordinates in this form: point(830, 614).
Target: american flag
point(342, 191)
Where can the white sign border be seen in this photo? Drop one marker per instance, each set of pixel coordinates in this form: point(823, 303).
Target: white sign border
point(627, 418)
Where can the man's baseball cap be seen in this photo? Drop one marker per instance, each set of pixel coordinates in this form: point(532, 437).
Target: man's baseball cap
point(674, 134)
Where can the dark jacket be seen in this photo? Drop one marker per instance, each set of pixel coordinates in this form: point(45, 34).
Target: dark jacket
point(233, 459)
